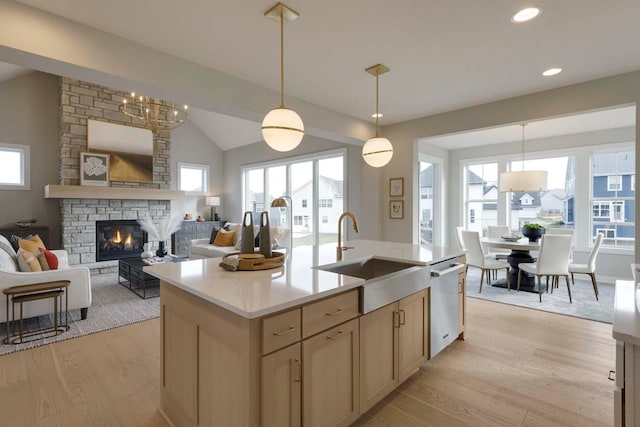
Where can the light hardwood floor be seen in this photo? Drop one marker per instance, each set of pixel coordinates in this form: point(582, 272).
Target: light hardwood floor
point(516, 367)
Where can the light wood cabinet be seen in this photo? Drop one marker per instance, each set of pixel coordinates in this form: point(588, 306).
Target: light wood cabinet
point(331, 376)
point(281, 388)
point(393, 344)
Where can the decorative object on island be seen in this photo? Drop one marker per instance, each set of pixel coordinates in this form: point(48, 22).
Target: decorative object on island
point(161, 231)
point(286, 202)
point(247, 236)
point(282, 128)
point(214, 202)
point(396, 187)
point(251, 262)
point(94, 169)
point(396, 209)
point(522, 181)
point(154, 113)
point(377, 151)
point(533, 231)
point(265, 235)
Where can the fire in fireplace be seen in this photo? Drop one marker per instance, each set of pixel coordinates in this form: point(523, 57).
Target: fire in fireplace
point(119, 239)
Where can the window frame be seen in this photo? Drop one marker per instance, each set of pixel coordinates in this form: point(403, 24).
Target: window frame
point(204, 168)
point(25, 166)
point(614, 185)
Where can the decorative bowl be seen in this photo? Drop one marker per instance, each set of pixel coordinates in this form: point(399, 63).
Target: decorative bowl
point(511, 238)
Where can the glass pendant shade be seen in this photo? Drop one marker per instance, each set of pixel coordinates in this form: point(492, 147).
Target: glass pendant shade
point(523, 181)
point(282, 129)
point(377, 151)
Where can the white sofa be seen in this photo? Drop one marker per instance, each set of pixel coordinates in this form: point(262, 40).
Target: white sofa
point(79, 289)
point(201, 248)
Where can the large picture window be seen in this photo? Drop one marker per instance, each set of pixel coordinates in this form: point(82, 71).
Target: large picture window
point(481, 196)
point(312, 182)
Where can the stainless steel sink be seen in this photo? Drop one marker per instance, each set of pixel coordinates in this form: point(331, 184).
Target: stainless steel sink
point(386, 280)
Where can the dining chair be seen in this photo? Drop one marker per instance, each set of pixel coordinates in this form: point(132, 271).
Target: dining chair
point(498, 231)
point(590, 267)
point(553, 260)
point(459, 231)
point(476, 258)
point(565, 232)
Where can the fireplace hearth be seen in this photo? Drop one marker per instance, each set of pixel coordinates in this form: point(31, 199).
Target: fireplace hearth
point(119, 239)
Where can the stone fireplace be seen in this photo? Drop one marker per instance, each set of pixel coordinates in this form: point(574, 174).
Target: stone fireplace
point(119, 239)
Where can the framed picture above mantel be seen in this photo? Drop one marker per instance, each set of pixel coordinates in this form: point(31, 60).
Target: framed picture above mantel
point(396, 187)
point(94, 169)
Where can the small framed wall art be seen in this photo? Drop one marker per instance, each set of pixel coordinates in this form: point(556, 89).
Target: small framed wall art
point(94, 169)
point(396, 209)
point(396, 187)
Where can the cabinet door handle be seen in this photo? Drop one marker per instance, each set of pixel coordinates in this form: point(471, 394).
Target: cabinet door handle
point(612, 372)
point(403, 318)
point(396, 315)
point(298, 370)
point(338, 311)
point(340, 333)
point(286, 331)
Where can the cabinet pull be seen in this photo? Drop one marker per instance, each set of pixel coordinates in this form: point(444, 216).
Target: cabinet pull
point(402, 317)
point(612, 372)
point(396, 315)
point(338, 311)
point(298, 370)
point(286, 331)
point(340, 333)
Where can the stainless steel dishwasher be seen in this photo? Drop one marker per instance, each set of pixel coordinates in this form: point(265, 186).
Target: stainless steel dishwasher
point(444, 303)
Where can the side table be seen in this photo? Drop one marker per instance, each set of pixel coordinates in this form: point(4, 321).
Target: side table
point(36, 292)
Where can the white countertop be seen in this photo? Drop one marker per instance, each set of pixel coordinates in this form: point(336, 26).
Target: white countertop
point(626, 318)
point(253, 294)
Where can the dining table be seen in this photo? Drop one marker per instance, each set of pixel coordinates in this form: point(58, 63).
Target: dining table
point(520, 252)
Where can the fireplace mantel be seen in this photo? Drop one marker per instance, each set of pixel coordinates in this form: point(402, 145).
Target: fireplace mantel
point(52, 191)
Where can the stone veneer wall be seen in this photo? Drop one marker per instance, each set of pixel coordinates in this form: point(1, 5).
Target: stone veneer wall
point(80, 101)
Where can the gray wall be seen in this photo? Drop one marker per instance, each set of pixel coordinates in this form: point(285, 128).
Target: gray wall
point(363, 182)
point(29, 114)
point(190, 145)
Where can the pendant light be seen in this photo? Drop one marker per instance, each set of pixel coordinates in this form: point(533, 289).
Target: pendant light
point(377, 151)
point(282, 128)
point(523, 181)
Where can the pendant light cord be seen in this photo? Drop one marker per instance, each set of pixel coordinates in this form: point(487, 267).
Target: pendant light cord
point(281, 57)
point(377, 104)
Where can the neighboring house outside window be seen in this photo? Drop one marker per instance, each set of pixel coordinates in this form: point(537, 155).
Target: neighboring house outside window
point(472, 216)
point(304, 203)
point(326, 203)
point(614, 183)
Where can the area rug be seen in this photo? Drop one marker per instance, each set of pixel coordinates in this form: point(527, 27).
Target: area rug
point(584, 303)
point(112, 306)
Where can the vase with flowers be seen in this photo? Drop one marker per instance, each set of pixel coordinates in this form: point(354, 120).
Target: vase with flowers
point(161, 231)
point(533, 231)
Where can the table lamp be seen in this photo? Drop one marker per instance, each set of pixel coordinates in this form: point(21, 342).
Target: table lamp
point(213, 201)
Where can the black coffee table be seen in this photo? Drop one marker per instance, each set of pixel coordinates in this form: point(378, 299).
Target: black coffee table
point(137, 281)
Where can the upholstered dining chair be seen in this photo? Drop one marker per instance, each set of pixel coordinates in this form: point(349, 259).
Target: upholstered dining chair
point(553, 260)
point(590, 267)
point(498, 231)
point(459, 231)
point(476, 258)
point(565, 232)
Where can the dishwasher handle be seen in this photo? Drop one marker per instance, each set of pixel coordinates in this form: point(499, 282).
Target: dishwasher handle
point(455, 267)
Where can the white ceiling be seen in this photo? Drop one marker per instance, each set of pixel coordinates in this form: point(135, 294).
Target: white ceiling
point(569, 125)
point(10, 71)
point(443, 55)
point(225, 131)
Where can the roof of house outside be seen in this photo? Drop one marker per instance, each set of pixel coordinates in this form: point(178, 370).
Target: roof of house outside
point(620, 163)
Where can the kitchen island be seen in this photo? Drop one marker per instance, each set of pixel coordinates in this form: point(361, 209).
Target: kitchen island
point(287, 346)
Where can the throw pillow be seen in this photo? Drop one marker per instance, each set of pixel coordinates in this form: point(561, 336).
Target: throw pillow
point(44, 265)
point(31, 244)
point(27, 261)
point(215, 231)
point(52, 259)
point(224, 238)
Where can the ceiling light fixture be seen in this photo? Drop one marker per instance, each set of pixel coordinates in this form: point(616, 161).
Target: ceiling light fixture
point(526, 14)
point(552, 72)
point(154, 113)
point(523, 181)
point(282, 128)
point(375, 115)
point(377, 151)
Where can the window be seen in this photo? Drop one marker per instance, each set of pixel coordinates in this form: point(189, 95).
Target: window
point(193, 178)
point(312, 182)
point(472, 216)
point(608, 233)
point(601, 209)
point(481, 192)
point(14, 167)
point(618, 211)
point(614, 183)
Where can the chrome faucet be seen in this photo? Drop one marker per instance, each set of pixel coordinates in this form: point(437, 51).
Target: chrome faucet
point(341, 248)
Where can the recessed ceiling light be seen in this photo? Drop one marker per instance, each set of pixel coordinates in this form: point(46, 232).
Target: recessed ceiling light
point(552, 72)
point(374, 115)
point(526, 14)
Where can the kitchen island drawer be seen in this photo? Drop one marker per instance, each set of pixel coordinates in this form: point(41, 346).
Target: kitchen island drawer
point(329, 312)
point(280, 330)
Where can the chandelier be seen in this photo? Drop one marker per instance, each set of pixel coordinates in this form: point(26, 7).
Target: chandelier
point(154, 113)
point(524, 180)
